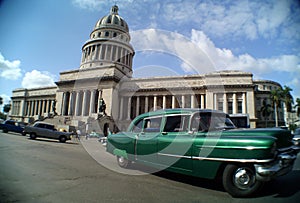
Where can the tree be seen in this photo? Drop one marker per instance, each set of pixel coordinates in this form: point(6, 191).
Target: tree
point(266, 110)
point(1, 101)
point(6, 108)
point(276, 97)
point(298, 106)
point(287, 98)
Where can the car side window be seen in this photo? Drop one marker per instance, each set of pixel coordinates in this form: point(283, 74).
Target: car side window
point(39, 125)
point(152, 124)
point(178, 123)
point(49, 127)
point(198, 123)
point(137, 128)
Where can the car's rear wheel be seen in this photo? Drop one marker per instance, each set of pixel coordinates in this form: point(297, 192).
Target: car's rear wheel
point(32, 136)
point(5, 130)
point(240, 180)
point(62, 139)
point(123, 162)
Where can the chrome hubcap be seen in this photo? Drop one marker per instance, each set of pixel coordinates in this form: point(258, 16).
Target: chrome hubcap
point(243, 178)
point(121, 159)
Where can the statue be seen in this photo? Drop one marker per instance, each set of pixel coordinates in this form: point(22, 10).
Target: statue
point(102, 106)
point(54, 107)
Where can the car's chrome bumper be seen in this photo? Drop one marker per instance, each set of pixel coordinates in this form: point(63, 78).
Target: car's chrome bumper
point(283, 164)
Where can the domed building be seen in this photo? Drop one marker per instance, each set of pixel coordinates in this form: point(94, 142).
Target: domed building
point(102, 94)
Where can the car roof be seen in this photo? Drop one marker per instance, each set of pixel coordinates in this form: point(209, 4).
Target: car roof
point(178, 111)
point(39, 122)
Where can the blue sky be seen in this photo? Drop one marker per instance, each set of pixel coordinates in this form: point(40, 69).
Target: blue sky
point(40, 38)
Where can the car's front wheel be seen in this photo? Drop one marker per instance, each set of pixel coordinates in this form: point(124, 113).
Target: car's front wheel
point(240, 180)
point(123, 162)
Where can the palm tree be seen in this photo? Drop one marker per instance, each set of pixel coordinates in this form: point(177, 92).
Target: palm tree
point(276, 97)
point(266, 111)
point(1, 102)
point(287, 98)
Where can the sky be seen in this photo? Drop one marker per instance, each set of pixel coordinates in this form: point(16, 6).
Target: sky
point(41, 38)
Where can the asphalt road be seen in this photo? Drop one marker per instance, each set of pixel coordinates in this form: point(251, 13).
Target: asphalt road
point(49, 171)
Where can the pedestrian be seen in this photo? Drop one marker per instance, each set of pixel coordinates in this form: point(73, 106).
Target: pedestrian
point(78, 134)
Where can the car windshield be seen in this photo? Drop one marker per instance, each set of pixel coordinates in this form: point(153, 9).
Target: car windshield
point(203, 122)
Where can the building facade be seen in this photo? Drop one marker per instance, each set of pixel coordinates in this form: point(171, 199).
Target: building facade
point(105, 74)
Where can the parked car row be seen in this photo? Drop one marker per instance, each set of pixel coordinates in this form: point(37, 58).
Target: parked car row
point(38, 129)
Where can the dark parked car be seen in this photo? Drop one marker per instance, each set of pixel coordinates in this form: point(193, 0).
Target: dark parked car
point(205, 143)
point(296, 138)
point(12, 126)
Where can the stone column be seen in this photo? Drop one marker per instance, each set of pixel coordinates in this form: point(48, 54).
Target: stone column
point(146, 104)
point(129, 108)
point(202, 106)
point(215, 101)
point(244, 110)
point(84, 103)
point(234, 103)
point(92, 102)
point(137, 110)
point(27, 108)
point(77, 104)
point(192, 101)
point(36, 107)
point(71, 104)
point(164, 102)
point(65, 104)
point(173, 101)
point(105, 53)
point(121, 108)
point(225, 108)
point(155, 103)
point(43, 107)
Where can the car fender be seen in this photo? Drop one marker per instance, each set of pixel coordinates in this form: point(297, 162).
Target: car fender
point(119, 152)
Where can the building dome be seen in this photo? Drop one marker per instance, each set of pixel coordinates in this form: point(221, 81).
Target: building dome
point(109, 44)
point(112, 20)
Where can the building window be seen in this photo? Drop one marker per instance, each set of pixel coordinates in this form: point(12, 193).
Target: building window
point(106, 34)
point(115, 34)
point(240, 106)
point(220, 106)
point(230, 111)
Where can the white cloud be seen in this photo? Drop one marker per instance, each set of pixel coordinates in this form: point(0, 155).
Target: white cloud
point(173, 44)
point(244, 18)
point(225, 59)
point(88, 4)
point(9, 69)
point(36, 78)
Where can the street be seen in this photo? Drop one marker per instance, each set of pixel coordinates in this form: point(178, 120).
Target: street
point(45, 170)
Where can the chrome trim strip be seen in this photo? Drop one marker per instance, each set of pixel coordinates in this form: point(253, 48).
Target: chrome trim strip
point(218, 159)
point(234, 160)
point(226, 147)
point(176, 156)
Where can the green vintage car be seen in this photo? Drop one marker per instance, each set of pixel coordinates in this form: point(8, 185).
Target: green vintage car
point(206, 144)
